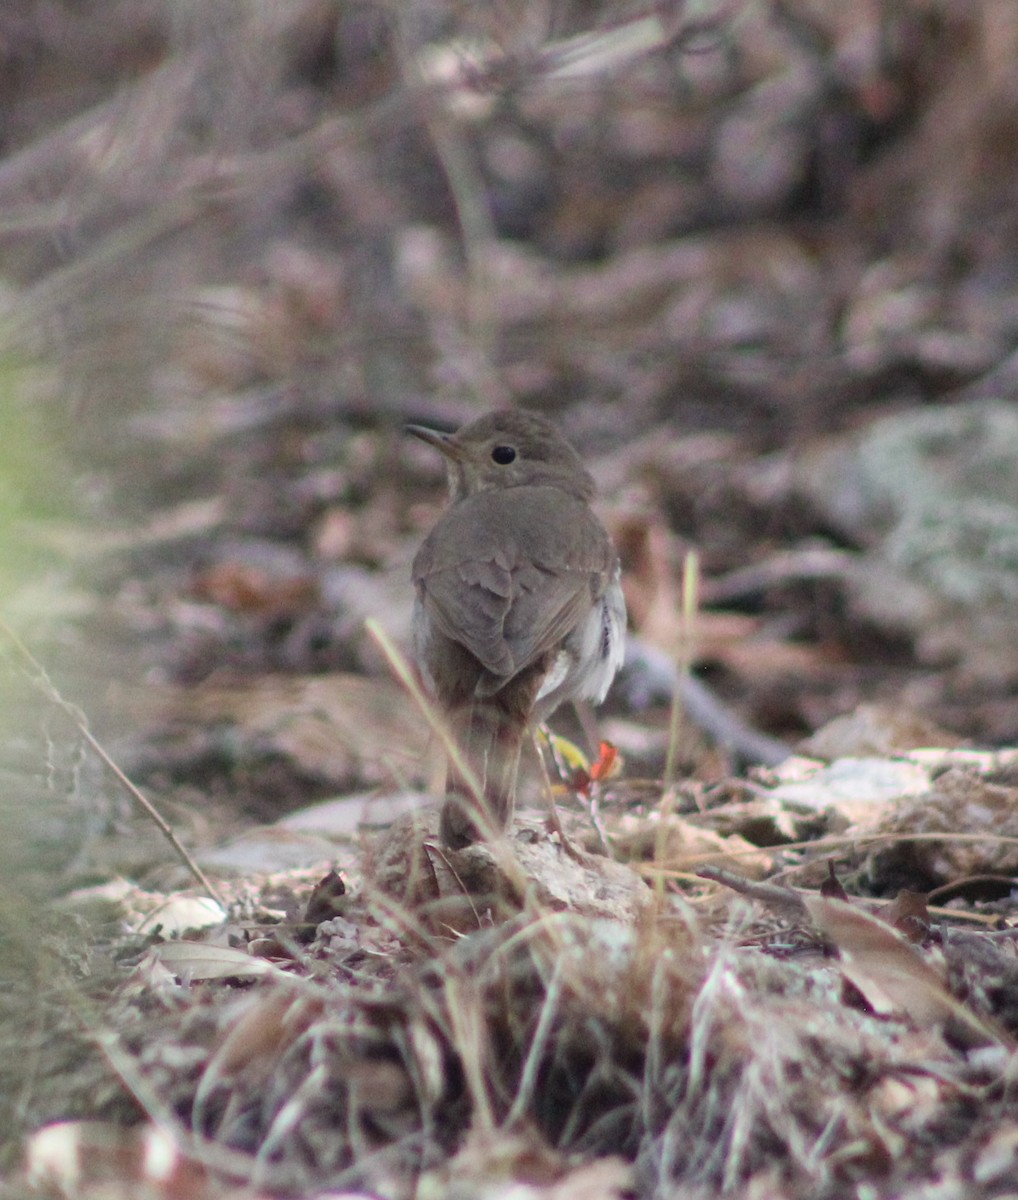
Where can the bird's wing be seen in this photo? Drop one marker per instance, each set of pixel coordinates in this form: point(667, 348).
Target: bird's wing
point(508, 581)
point(467, 601)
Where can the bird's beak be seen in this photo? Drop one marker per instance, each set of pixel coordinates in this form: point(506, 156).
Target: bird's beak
point(444, 443)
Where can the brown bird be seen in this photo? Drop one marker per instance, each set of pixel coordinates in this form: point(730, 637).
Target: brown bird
point(519, 605)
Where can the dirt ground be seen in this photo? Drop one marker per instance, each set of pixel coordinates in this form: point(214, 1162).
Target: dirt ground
point(751, 932)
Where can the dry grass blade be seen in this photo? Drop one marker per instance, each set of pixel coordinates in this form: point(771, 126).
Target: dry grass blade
point(685, 653)
point(469, 1034)
point(538, 1048)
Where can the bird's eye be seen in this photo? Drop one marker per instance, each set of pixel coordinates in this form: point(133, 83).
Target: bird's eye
point(503, 455)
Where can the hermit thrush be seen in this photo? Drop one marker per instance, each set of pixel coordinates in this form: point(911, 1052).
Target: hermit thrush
point(519, 605)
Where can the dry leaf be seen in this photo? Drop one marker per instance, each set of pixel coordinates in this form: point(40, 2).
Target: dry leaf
point(893, 976)
point(193, 962)
point(244, 588)
point(179, 913)
point(909, 913)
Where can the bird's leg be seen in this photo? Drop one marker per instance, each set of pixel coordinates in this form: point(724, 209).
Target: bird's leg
point(554, 820)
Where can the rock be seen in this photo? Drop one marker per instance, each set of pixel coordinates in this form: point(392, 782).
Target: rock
point(933, 496)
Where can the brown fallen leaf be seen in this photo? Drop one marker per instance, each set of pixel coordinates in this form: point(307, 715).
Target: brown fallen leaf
point(271, 1023)
point(894, 977)
point(254, 591)
point(909, 913)
point(257, 1039)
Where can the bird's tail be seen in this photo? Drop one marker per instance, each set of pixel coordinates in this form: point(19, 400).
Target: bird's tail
point(489, 732)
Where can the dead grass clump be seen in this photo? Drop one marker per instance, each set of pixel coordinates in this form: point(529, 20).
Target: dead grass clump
point(527, 1039)
point(553, 1040)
